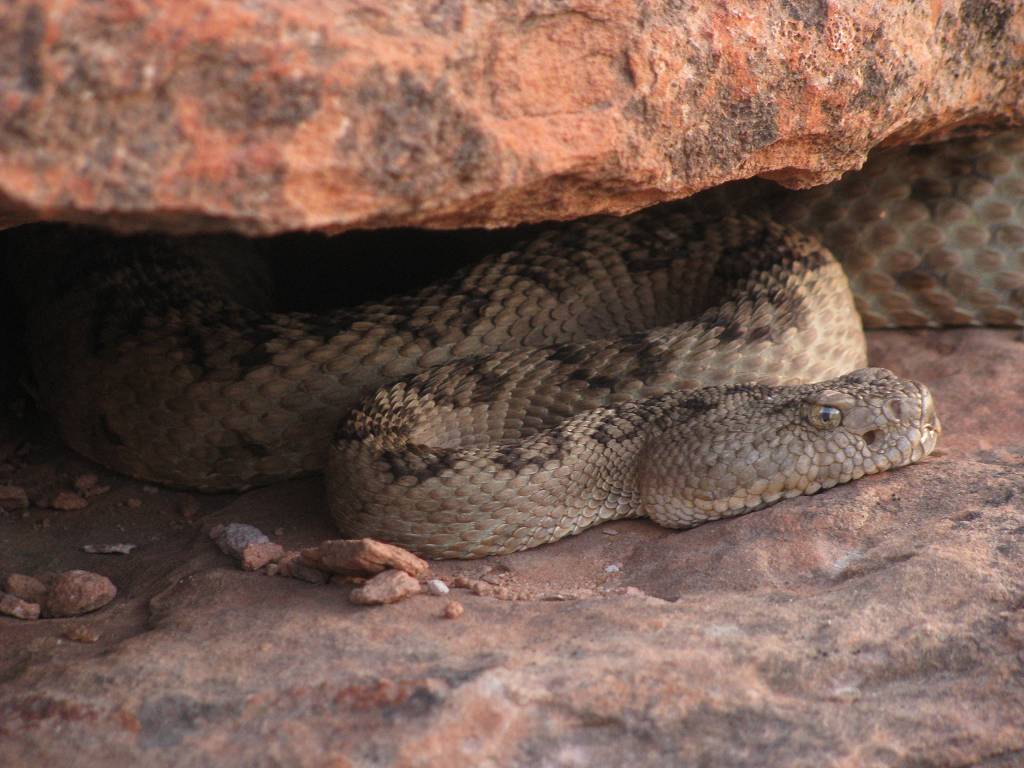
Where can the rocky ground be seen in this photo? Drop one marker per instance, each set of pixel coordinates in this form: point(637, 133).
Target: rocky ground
point(880, 623)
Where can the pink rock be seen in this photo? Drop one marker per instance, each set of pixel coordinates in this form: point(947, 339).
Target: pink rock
point(68, 501)
point(359, 556)
point(77, 592)
point(453, 610)
point(25, 587)
point(386, 587)
point(255, 556)
point(18, 608)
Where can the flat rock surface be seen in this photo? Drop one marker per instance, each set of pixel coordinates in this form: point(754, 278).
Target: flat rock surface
point(269, 116)
point(880, 623)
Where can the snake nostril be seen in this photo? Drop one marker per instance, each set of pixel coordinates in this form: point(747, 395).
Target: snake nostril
point(871, 436)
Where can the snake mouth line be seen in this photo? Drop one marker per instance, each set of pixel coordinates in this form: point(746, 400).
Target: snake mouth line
point(931, 426)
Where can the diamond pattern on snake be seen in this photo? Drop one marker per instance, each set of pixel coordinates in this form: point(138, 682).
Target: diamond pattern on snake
point(686, 363)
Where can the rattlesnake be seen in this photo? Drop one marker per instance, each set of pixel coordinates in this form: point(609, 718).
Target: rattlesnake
point(551, 386)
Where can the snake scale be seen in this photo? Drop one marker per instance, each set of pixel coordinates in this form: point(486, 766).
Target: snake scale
point(661, 364)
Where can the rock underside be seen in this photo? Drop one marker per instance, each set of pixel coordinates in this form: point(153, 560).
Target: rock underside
point(333, 114)
point(879, 623)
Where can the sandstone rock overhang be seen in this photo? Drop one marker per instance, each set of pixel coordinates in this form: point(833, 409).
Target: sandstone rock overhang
point(190, 115)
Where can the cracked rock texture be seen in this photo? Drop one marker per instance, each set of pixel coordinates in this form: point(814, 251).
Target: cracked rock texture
point(269, 116)
point(878, 624)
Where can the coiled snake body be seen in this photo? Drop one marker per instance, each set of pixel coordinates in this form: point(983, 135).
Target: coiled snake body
point(553, 386)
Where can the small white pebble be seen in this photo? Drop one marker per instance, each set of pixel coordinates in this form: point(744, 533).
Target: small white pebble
point(609, 532)
point(613, 568)
point(437, 587)
point(108, 549)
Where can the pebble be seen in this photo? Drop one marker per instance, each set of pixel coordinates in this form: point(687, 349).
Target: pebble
point(67, 501)
point(387, 587)
point(80, 634)
point(13, 497)
point(25, 587)
point(77, 592)
point(18, 608)
point(437, 587)
point(453, 610)
point(255, 556)
point(485, 589)
point(356, 556)
point(613, 568)
point(108, 549)
point(233, 538)
point(609, 532)
point(89, 485)
point(247, 544)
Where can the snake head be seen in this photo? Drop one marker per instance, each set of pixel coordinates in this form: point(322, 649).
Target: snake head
point(868, 421)
point(751, 445)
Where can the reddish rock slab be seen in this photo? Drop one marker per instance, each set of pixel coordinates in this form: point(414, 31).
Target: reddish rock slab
point(191, 115)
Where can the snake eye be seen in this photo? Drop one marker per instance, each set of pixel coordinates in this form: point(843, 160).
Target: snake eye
point(825, 416)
